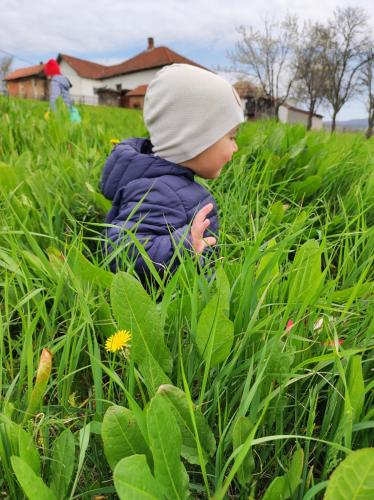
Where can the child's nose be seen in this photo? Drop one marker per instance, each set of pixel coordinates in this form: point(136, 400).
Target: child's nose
point(235, 147)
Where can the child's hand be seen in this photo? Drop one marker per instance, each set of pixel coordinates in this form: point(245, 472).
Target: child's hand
point(199, 226)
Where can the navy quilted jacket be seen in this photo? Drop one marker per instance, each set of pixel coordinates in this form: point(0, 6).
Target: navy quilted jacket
point(155, 199)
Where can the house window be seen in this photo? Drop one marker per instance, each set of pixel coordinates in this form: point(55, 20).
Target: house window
point(119, 87)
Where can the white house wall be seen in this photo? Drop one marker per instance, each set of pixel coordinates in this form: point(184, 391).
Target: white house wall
point(287, 115)
point(317, 123)
point(73, 76)
point(297, 117)
point(83, 89)
point(129, 81)
point(283, 114)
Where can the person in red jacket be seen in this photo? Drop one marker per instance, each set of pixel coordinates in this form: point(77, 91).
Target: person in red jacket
point(60, 87)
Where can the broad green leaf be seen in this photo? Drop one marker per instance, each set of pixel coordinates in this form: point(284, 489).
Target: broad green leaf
point(122, 436)
point(223, 290)
point(214, 333)
point(276, 489)
point(62, 464)
point(134, 310)
point(277, 212)
point(281, 358)
point(6, 262)
point(240, 433)
point(27, 450)
point(297, 148)
point(103, 203)
point(104, 322)
point(166, 443)
point(284, 487)
point(356, 386)
point(37, 181)
point(307, 187)
point(293, 475)
point(8, 178)
point(37, 265)
point(305, 274)
point(341, 296)
point(32, 484)
point(353, 478)
point(21, 443)
point(269, 262)
point(152, 373)
point(86, 271)
point(180, 407)
point(133, 480)
point(21, 205)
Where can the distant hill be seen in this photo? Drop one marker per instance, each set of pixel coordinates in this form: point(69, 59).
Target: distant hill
point(356, 124)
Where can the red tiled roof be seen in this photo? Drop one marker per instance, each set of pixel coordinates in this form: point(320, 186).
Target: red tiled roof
point(85, 69)
point(138, 91)
point(153, 58)
point(25, 72)
point(150, 58)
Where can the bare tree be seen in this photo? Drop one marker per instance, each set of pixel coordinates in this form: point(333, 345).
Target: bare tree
point(367, 83)
point(266, 56)
point(348, 39)
point(310, 82)
point(5, 65)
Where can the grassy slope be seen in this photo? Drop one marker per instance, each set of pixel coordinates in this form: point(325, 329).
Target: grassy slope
point(284, 187)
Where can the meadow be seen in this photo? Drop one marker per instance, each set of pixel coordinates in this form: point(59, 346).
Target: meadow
point(251, 378)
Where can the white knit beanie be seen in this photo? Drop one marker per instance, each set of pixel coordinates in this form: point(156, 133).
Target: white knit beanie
point(187, 109)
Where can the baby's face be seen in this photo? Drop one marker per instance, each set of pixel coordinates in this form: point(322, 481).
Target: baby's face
point(210, 162)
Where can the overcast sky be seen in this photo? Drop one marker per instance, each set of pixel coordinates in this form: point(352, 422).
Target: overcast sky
point(109, 32)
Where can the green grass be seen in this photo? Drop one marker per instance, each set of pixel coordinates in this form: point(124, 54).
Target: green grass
point(286, 192)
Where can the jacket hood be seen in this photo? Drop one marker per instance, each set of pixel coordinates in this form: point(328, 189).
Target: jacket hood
point(133, 159)
point(63, 81)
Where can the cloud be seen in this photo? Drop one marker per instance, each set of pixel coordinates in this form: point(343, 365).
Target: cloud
point(109, 28)
point(90, 27)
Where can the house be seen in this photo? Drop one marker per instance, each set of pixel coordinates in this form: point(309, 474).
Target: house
point(29, 83)
point(250, 96)
point(259, 105)
point(135, 98)
point(95, 83)
point(292, 114)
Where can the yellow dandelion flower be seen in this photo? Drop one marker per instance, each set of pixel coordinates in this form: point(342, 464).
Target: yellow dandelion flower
point(114, 141)
point(118, 341)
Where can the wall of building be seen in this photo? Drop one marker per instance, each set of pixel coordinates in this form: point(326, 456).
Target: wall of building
point(109, 99)
point(129, 81)
point(83, 89)
point(287, 115)
point(283, 114)
point(136, 102)
point(73, 76)
point(28, 88)
point(317, 123)
point(297, 117)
